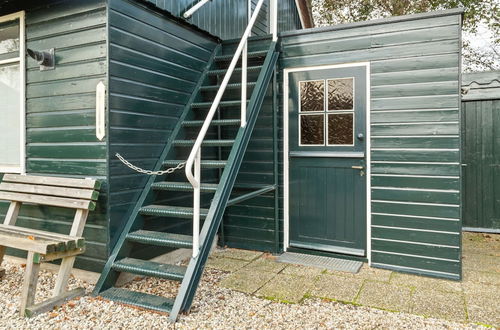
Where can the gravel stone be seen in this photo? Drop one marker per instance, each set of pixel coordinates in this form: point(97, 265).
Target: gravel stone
point(214, 308)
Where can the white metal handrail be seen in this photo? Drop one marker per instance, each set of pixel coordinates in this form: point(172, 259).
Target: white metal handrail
point(195, 8)
point(194, 159)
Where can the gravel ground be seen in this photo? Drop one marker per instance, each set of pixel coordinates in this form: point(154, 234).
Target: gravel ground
point(214, 308)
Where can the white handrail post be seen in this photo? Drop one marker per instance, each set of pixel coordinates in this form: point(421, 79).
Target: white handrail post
point(194, 160)
point(195, 8)
point(196, 204)
point(274, 19)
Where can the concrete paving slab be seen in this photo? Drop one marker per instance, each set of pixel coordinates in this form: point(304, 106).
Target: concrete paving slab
point(482, 303)
point(481, 262)
point(433, 303)
point(226, 264)
point(481, 277)
point(367, 272)
point(246, 255)
point(285, 288)
point(266, 264)
point(247, 281)
point(385, 296)
point(426, 283)
point(337, 287)
point(303, 271)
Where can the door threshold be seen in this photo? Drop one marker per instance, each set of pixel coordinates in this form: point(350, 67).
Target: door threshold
point(326, 254)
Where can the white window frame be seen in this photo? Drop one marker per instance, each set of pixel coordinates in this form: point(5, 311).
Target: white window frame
point(21, 169)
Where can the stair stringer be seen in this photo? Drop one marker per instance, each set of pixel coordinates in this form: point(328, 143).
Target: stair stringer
point(108, 275)
point(196, 265)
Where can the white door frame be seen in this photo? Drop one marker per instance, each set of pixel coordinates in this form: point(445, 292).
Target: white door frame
point(22, 81)
point(286, 206)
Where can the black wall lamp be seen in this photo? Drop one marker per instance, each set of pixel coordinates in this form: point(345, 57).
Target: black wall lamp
point(45, 58)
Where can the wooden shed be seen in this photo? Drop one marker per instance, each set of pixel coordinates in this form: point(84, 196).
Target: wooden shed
point(344, 142)
point(481, 145)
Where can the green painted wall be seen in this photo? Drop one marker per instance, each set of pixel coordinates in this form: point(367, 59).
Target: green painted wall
point(154, 65)
point(415, 142)
point(227, 19)
point(60, 111)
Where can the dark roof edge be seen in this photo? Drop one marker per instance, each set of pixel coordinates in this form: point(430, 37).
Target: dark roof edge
point(392, 19)
point(305, 13)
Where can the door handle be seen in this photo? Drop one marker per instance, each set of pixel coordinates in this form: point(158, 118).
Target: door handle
point(357, 167)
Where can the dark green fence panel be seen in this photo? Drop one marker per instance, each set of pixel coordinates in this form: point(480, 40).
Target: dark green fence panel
point(481, 143)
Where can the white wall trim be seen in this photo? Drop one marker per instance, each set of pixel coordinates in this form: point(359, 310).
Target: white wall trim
point(22, 82)
point(286, 206)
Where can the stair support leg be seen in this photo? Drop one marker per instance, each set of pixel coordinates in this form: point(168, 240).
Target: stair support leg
point(196, 204)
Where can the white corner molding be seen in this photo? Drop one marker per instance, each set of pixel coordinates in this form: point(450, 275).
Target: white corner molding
point(100, 111)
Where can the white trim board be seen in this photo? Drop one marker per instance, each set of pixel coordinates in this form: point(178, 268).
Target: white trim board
point(286, 206)
point(22, 82)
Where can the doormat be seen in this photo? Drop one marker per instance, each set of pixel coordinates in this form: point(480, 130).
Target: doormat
point(342, 265)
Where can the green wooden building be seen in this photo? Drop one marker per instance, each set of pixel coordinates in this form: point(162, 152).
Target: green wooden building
point(344, 141)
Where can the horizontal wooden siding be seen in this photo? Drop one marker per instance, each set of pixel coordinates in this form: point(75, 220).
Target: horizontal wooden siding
point(415, 142)
point(154, 65)
point(60, 109)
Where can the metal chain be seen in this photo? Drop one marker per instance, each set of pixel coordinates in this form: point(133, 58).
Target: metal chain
point(148, 172)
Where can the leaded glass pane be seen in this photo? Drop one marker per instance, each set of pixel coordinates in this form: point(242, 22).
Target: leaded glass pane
point(340, 94)
point(312, 129)
point(312, 95)
point(9, 40)
point(340, 128)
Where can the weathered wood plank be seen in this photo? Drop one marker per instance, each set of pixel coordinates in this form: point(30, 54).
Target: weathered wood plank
point(49, 304)
point(47, 200)
point(53, 181)
point(50, 190)
point(30, 243)
point(30, 281)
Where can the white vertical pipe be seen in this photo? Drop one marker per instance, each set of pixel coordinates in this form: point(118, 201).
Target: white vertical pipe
point(274, 19)
point(196, 205)
point(244, 72)
point(195, 8)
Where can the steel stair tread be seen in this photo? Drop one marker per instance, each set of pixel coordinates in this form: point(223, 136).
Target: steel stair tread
point(228, 57)
point(229, 86)
point(223, 71)
point(220, 122)
point(182, 186)
point(221, 104)
point(139, 299)
point(215, 143)
point(204, 163)
point(150, 268)
point(161, 239)
point(170, 211)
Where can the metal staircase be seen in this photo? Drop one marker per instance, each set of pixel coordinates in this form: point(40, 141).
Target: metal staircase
point(213, 136)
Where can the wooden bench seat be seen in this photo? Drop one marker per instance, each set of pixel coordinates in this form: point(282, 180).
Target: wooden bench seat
point(42, 246)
